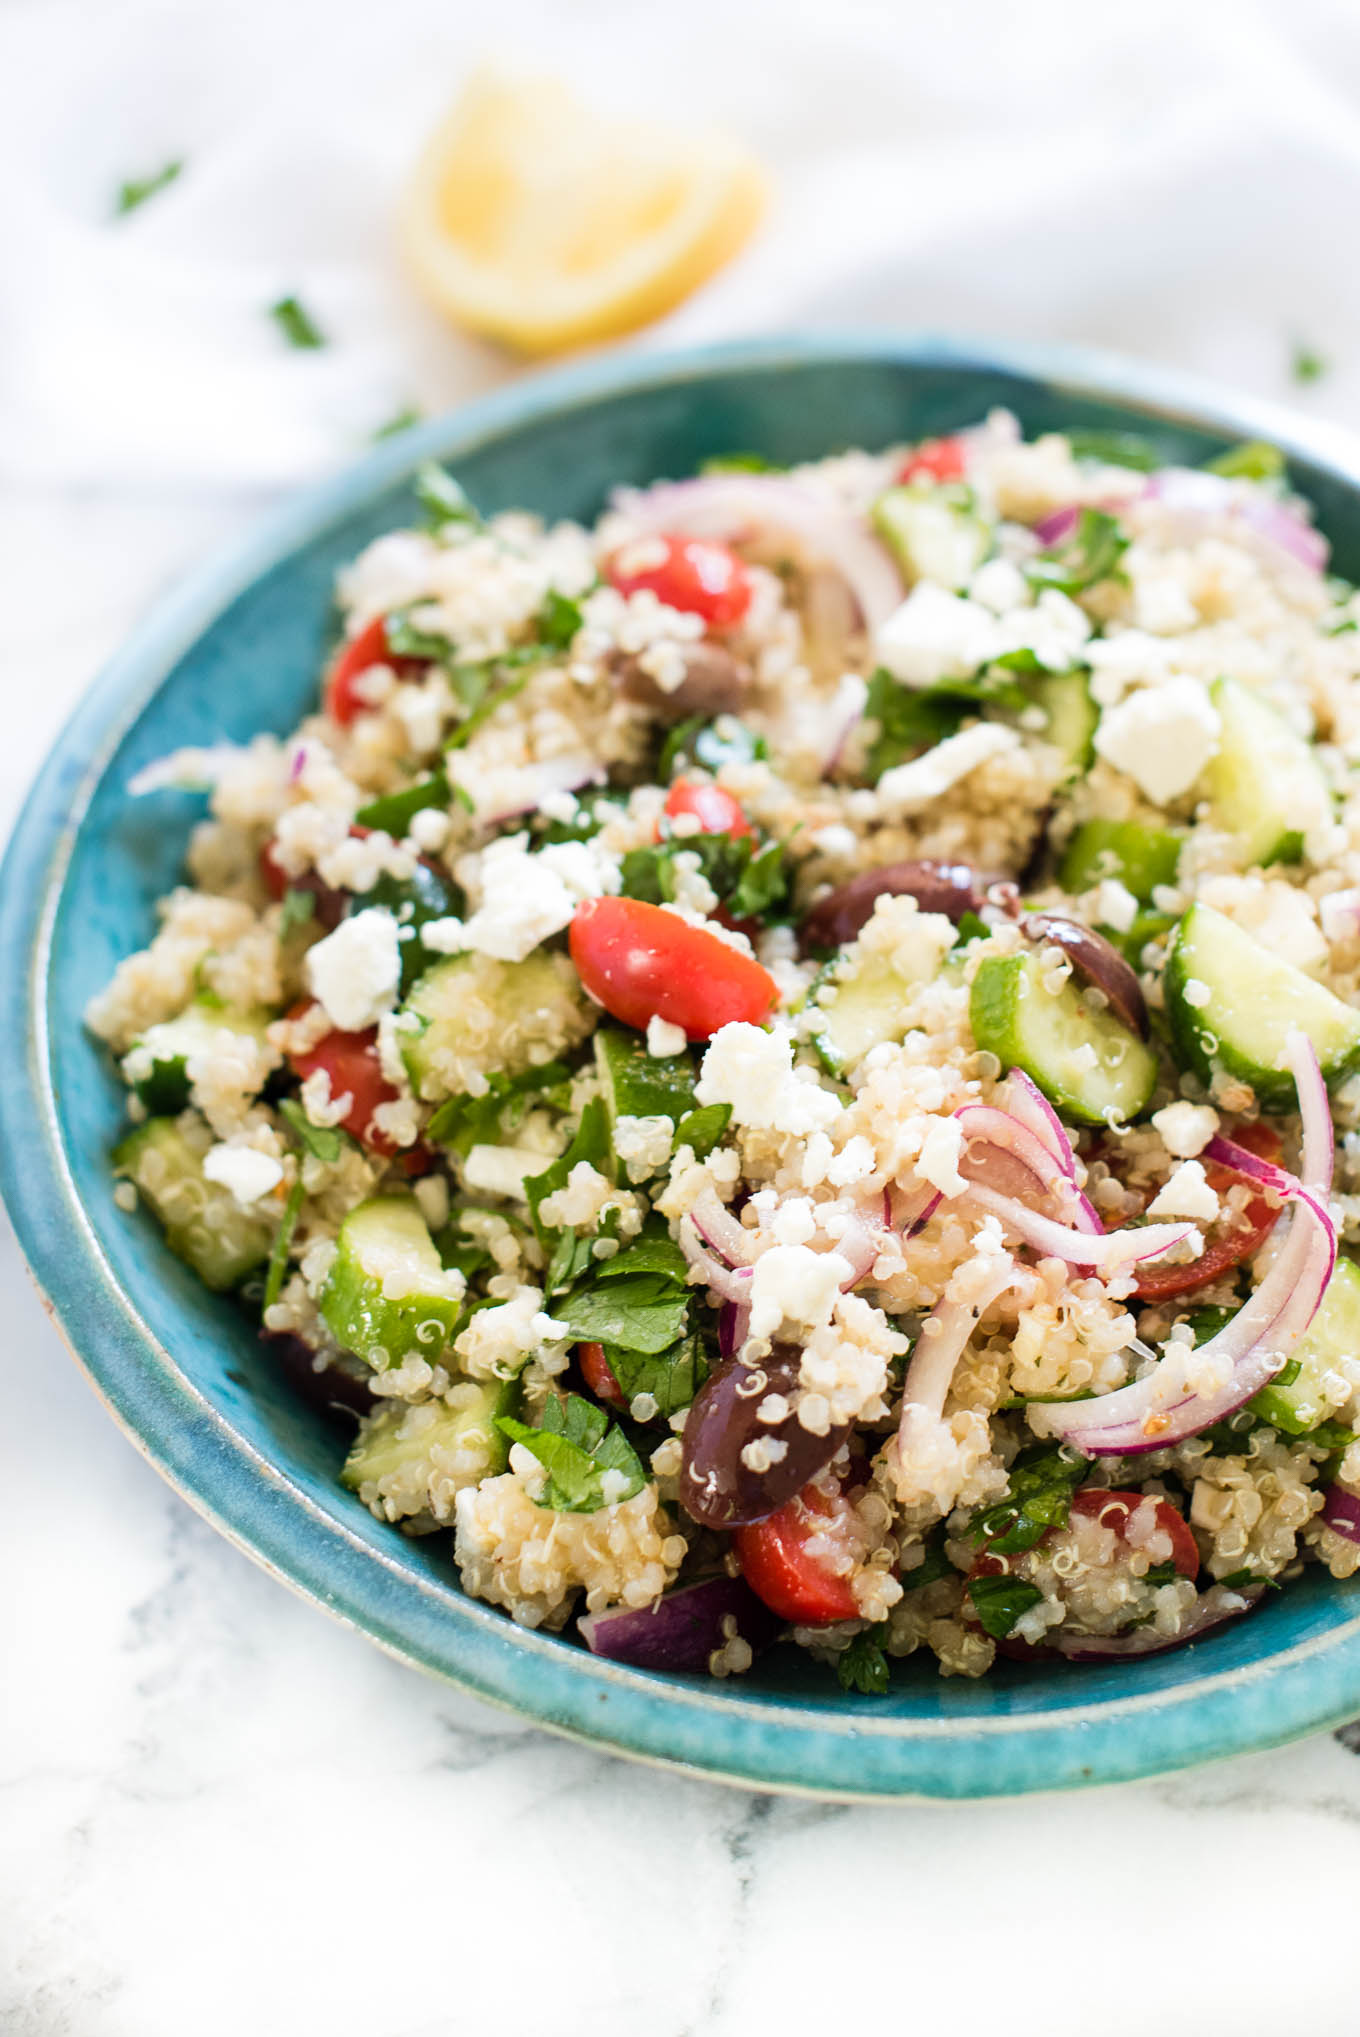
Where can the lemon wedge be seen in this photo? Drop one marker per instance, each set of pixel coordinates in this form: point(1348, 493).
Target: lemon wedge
point(531, 220)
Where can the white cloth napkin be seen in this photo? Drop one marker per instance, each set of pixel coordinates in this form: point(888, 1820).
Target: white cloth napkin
point(1178, 182)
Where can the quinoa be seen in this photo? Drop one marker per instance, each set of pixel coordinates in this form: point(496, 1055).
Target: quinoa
point(531, 1049)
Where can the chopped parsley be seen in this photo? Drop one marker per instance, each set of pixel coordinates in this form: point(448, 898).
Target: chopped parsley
point(738, 463)
point(751, 882)
point(1253, 460)
point(576, 1446)
point(710, 743)
point(1238, 1580)
point(702, 1129)
point(1116, 449)
point(1000, 1601)
point(323, 1142)
point(590, 1143)
point(1308, 365)
point(283, 1238)
point(863, 1666)
point(672, 1377)
point(1039, 1497)
point(441, 497)
point(136, 190)
point(934, 1565)
point(907, 721)
point(1161, 1573)
point(467, 1121)
point(413, 902)
point(1090, 555)
point(558, 620)
point(296, 324)
point(393, 812)
point(406, 639)
point(400, 421)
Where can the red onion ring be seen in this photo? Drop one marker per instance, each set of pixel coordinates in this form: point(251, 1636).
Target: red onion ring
point(1107, 1250)
point(726, 1237)
point(680, 1630)
point(1027, 1102)
point(1211, 1609)
point(1341, 1512)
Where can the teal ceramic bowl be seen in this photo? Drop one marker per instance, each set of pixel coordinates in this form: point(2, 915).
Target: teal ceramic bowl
point(239, 650)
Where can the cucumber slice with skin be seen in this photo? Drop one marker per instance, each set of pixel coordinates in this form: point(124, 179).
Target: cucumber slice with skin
point(157, 1064)
point(1265, 784)
point(1071, 717)
point(387, 1293)
point(415, 1460)
point(1296, 1402)
point(471, 1017)
point(1232, 1004)
point(203, 1222)
point(851, 1010)
point(637, 1084)
point(934, 533)
point(1140, 858)
point(1089, 1066)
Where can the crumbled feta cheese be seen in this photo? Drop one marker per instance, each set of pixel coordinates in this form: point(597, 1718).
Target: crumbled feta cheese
point(1162, 737)
point(1186, 1193)
point(525, 898)
point(938, 1160)
point(754, 1072)
point(792, 1283)
point(248, 1174)
point(1186, 1128)
point(794, 1222)
point(1116, 905)
point(1339, 912)
point(935, 636)
point(664, 1040)
point(354, 972)
point(907, 788)
point(999, 585)
point(1055, 629)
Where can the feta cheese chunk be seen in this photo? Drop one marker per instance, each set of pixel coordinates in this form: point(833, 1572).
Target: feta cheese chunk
point(525, 898)
point(663, 1039)
point(1186, 1128)
point(1162, 737)
point(792, 1283)
point(754, 1072)
point(354, 972)
point(248, 1174)
point(907, 788)
point(1186, 1193)
point(935, 635)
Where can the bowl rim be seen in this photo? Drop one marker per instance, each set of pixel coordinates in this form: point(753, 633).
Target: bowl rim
point(723, 1731)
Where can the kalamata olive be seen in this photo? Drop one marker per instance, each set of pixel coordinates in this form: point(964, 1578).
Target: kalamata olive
point(715, 682)
point(330, 905)
point(950, 888)
point(1097, 963)
point(717, 1488)
point(340, 1385)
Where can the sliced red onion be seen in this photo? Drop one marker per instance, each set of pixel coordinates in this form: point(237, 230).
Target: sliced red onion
point(1200, 501)
point(1223, 1152)
point(857, 1245)
point(1317, 1159)
point(1341, 1512)
point(519, 789)
point(997, 1144)
point(943, 1339)
point(1211, 1609)
point(1108, 1250)
point(680, 1631)
point(727, 1282)
point(1058, 524)
point(919, 1211)
point(772, 512)
point(726, 1237)
point(1027, 1102)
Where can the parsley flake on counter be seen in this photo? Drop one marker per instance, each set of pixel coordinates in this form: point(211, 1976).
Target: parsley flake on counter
point(296, 324)
point(136, 190)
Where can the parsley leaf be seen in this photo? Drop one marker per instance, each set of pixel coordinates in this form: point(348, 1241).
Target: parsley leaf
point(1161, 1573)
point(413, 902)
point(591, 1143)
point(136, 190)
point(701, 1130)
point(1308, 365)
point(558, 620)
point(1000, 1601)
point(283, 1238)
point(1039, 1497)
point(672, 1377)
point(763, 886)
point(576, 1445)
point(738, 463)
point(1090, 555)
point(643, 1312)
point(1237, 1579)
point(400, 421)
point(751, 882)
point(863, 1666)
point(1253, 460)
point(1115, 449)
point(908, 722)
point(296, 324)
point(393, 812)
point(441, 498)
point(710, 743)
point(406, 639)
point(323, 1142)
point(298, 908)
point(467, 1121)
point(934, 1565)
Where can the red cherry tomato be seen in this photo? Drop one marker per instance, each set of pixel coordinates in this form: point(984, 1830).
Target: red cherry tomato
point(641, 962)
point(355, 658)
point(716, 811)
point(775, 1562)
point(1235, 1242)
point(598, 1373)
point(351, 1060)
point(935, 460)
point(1114, 1508)
point(698, 575)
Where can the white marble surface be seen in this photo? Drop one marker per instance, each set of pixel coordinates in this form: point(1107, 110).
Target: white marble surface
point(220, 1812)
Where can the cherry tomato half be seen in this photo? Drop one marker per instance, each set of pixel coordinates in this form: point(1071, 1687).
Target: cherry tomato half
point(355, 658)
point(641, 962)
point(1229, 1245)
point(775, 1562)
point(700, 576)
point(598, 1374)
point(351, 1060)
point(935, 460)
point(716, 811)
point(1114, 1508)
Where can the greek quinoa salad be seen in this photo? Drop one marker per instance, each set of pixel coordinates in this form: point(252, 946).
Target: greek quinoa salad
point(789, 1058)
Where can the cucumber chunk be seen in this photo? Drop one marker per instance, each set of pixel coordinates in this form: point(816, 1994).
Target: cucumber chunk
point(471, 1017)
point(416, 1460)
point(1231, 1003)
point(934, 533)
point(637, 1084)
point(1089, 1066)
point(853, 1006)
point(156, 1065)
point(1140, 858)
point(1071, 717)
point(203, 1222)
point(387, 1293)
point(1295, 1402)
point(1265, 785)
